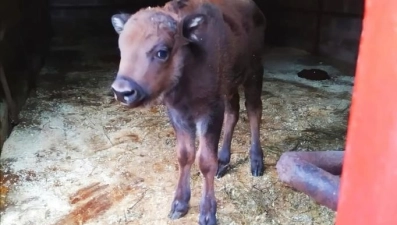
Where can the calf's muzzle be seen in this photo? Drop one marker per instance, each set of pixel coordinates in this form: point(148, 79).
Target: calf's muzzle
point(127, 91)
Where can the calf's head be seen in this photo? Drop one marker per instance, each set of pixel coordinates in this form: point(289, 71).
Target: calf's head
point(151, 44)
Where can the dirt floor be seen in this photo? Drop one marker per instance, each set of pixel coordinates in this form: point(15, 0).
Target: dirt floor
point(79, 157)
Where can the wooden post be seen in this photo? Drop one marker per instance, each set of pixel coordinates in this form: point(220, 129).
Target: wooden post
point(4, 84)
point(4, 124)
point(368, 194)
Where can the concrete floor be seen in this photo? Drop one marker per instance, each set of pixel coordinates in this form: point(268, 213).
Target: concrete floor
point(79, 157)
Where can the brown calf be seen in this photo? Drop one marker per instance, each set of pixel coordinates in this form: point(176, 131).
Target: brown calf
point(192, 55)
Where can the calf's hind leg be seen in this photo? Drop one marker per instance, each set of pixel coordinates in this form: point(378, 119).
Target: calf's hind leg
point(253, 103)
point(231, 116)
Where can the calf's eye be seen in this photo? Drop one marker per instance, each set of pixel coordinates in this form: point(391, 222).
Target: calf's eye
point(162, 54)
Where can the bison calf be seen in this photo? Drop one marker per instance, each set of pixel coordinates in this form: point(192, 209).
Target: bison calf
point(192, 55)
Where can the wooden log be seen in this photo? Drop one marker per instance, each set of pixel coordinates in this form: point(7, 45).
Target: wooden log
point(313, 173)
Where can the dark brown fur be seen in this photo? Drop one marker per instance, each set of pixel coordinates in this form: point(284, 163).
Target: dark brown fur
point(214, 47)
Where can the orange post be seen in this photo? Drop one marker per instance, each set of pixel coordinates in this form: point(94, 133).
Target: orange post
point(368, 193)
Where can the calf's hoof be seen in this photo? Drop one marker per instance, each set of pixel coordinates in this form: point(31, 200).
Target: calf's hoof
point(223, 162)
point(257, 168)
point(178, 210)
point(222, 170)
point(207, 218)
point(256, 158)
point(207, 213)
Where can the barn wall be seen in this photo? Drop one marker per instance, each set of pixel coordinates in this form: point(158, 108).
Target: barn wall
point(24, 41)
point(76, 18)
point(330, 28)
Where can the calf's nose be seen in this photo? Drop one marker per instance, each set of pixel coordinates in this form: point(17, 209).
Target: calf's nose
point(127, 91)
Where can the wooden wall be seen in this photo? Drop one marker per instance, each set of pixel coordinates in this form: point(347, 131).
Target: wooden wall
point(329, 28)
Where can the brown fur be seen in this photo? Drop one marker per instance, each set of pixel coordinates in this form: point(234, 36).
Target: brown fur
point(214, 47)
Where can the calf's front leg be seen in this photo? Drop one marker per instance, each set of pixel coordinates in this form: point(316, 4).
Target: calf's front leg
point(209, 130)
point(185, 135)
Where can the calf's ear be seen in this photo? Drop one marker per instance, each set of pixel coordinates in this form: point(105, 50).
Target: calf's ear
point(119, 20)
point(191, 25)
